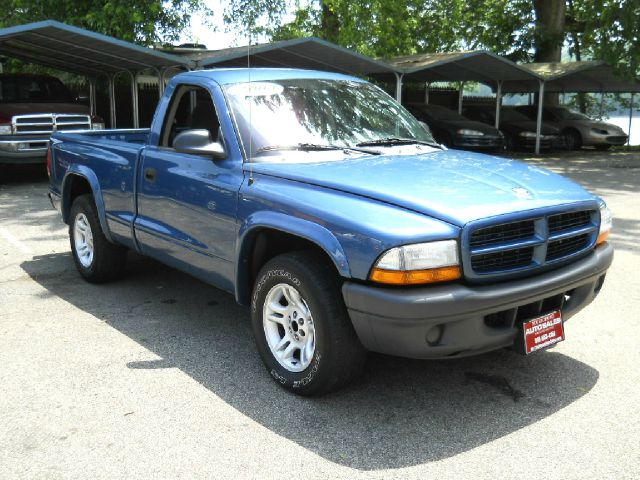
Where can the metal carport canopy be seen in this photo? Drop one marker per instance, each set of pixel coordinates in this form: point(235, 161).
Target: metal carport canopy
point(574, 77)
point(72, 49)
point(308, 53)
point(476, 66)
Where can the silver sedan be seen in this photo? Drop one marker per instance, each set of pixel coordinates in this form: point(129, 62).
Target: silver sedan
point(577, 129)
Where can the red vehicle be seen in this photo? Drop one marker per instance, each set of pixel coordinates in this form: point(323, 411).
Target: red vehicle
point(32, 107)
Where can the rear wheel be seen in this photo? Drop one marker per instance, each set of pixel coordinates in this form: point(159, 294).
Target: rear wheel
point(95, 257)
point(301, 326)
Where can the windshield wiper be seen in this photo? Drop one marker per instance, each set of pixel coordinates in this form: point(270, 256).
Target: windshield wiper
point(313, 147)
point(383, 142)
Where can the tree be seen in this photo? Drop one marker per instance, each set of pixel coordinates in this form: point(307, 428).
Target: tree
point(522, 30)
point(140, 21)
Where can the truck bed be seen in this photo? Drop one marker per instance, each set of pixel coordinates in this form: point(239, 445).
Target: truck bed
point(129, 135)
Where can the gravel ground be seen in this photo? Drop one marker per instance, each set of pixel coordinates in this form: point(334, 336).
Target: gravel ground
point(156, 376)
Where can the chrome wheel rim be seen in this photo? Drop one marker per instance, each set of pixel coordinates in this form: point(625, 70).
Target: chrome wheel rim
point(288, 327)
point(83, 240)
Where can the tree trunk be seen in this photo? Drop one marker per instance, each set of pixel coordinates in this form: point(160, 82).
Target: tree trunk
point(575, 38)
point(550, 34)
point(330, 22)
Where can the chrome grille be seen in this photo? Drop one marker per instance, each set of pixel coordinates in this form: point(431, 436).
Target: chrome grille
point(49, 123)
point(525, 245)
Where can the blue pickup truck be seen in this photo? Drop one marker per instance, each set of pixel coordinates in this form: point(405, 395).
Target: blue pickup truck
point(330, 211)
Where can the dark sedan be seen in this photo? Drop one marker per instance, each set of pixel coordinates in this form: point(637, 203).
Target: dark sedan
point(519, 130)
point(453, 130)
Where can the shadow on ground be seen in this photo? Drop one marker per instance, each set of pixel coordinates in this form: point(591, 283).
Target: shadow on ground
point(400, 413)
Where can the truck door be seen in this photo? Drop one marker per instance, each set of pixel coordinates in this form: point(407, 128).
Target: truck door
point(187, 202)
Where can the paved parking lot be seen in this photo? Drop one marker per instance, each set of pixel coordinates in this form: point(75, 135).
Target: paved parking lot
point(156, 376)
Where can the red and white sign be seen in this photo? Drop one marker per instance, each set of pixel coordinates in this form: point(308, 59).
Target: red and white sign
point(542, 332)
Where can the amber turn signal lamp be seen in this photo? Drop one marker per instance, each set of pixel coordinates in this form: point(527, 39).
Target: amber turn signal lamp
point(602, 237)
point(416, 277)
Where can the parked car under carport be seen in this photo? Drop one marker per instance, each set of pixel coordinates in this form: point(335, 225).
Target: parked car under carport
point(519, 131)
point(454, 130)
point(577, 129)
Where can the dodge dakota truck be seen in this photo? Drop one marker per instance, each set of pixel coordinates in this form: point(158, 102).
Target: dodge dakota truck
point(31, 108)
point(328, 210)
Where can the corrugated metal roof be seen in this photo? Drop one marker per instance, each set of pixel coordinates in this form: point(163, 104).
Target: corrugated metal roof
point(309, 53)
point(572, 77)
point(76, 50)
point(475, 65)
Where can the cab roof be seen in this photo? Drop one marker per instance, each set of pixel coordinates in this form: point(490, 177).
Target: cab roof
point(225, 76)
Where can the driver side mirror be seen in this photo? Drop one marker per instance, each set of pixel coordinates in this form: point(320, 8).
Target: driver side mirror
point(198, 142)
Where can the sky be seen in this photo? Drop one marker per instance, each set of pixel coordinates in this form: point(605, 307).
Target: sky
point(214, 35)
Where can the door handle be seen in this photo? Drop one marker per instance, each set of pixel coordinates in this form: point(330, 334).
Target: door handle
point(150, 174)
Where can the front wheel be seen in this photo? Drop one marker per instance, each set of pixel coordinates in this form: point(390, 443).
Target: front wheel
point(95, 257)
point(572, 140)
point(301, 326)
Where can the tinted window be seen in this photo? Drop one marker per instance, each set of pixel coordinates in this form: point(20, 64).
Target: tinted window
point(31, 89)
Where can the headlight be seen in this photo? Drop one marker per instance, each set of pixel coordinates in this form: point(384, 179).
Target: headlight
point(418, 264)
point(97, 126)
point(606, 222)
point(5, 130)
point(599, 131)
point(471, 133)
point(527, 134)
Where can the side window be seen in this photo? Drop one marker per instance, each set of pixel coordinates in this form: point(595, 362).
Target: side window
point(191, 107)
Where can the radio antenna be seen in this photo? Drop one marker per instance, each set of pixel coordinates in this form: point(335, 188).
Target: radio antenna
point(249, 155)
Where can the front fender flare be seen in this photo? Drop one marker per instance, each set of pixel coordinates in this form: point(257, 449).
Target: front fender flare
point(299, 227)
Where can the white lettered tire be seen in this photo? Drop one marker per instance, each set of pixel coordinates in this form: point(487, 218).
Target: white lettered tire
point(301, 326)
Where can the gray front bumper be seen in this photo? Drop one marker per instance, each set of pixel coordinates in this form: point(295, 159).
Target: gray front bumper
point(399, 321)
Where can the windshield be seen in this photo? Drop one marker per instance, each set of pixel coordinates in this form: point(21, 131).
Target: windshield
point(339, 113)
point(28, 89)
point(572, 115)
point(511, 115)
point(442, 113)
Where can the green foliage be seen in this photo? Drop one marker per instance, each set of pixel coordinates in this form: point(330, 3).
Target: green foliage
point(141, 21)
point(604, 29)
point(609, 30)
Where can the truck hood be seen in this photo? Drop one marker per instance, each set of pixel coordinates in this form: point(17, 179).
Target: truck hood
point(452, 185)
point(11, 109)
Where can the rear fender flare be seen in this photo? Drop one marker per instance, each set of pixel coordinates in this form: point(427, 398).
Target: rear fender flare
point(90, 177)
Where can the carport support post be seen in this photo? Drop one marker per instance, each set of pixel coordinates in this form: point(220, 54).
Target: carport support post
point(134, 99)
point(427, 87)
point(92, 96)
point(460, 97)
point(539, 119)
point(498, 103)
point(630, 119)
point(160, 74)
point(399, 86)
point(112, 101)
point(601, 104)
